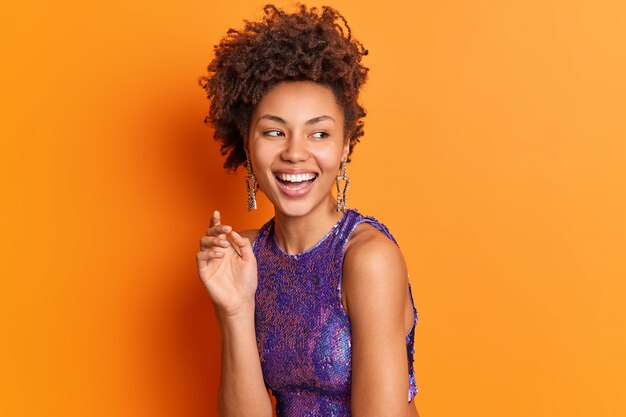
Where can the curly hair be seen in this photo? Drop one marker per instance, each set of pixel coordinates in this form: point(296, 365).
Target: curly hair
point(304, 45)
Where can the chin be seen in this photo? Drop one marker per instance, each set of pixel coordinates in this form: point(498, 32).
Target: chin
point(294, 208)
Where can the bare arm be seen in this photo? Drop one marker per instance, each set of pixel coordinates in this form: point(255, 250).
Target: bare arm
point(227, 267)
point(242, 390)
point(375, 286)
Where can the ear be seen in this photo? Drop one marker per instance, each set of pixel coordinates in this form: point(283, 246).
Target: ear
point(346, 150)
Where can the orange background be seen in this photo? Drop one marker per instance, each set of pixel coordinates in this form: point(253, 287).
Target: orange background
point(494, 151)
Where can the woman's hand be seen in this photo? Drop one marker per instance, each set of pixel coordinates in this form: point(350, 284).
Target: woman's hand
point(227, 267)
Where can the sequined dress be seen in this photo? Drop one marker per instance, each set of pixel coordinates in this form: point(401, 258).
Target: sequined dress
point(302, 330)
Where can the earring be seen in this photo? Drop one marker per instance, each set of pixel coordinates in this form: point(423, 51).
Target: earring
point(341, 196)
point(250, 186)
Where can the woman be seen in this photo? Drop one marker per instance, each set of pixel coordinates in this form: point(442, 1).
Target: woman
point(315, 305)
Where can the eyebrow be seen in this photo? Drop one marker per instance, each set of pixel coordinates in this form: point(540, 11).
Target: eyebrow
point(308, 122)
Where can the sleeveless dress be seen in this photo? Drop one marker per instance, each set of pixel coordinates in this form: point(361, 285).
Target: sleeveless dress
point(302, 330)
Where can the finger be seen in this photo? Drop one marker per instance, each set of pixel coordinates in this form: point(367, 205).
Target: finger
point(217, 230)
point(215, 218)
point(208, 242)
point(232, 244)
point(207, 255)
point(244, 246)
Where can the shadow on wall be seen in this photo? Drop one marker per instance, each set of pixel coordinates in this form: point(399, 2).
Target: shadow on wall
point(177, 348)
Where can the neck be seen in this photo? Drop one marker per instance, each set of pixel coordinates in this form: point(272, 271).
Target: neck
point(295, 234)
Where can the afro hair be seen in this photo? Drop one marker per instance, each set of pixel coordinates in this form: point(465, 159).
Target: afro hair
point(309, 44)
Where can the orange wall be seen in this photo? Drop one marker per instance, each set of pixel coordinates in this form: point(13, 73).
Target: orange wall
point(495, 152)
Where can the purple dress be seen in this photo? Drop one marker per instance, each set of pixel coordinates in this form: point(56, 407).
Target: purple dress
point(302, 330)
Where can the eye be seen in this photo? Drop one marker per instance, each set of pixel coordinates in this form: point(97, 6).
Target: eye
point(321, 135)
point(273, 133)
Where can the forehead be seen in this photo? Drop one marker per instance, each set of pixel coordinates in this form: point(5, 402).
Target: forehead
point(298, 100)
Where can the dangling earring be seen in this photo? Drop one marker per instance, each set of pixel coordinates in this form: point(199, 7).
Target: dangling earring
point(250, 186)
point(341, 196)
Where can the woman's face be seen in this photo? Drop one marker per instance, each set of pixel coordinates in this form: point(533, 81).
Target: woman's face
point(296, 144)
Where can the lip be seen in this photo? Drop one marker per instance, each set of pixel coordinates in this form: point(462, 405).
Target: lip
point(294, 171)
point(299, 192)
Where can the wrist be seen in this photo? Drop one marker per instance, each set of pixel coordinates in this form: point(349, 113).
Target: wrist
point(244, 311)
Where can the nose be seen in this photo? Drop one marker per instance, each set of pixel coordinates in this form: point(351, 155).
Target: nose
point(295, 150)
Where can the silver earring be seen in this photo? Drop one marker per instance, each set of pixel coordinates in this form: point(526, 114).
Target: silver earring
point(250, 186)
point(342, 195)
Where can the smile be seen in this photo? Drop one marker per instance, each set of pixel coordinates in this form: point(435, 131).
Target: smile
point(295, 185)
point(295, 178)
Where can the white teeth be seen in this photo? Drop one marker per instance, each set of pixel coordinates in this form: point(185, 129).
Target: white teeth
point(296, 177)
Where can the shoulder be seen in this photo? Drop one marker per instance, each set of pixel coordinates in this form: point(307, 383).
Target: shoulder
point(253, 233)
point(249, 233)
point(368, 247)
point(374, 269)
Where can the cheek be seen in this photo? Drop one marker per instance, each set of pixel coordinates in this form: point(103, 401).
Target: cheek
point(329, 158)
point(261, 156)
